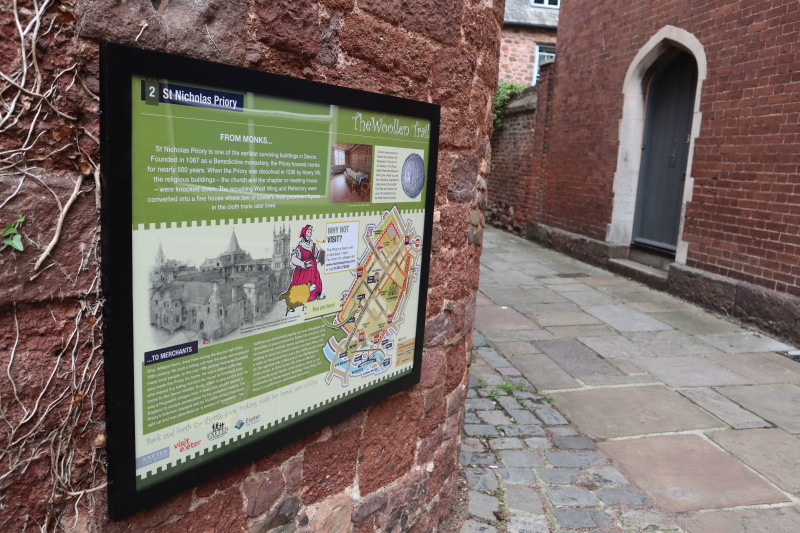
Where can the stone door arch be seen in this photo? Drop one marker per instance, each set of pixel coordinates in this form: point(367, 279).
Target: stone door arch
point(632, 131)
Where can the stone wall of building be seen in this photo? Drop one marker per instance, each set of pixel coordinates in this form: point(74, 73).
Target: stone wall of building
point(518, 51)
point(392, 467)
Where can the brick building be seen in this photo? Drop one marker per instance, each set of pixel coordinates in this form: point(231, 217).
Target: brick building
point(673, 138)
point(528, 38)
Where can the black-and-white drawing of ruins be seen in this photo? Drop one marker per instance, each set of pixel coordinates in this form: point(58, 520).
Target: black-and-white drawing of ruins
point(226, 292)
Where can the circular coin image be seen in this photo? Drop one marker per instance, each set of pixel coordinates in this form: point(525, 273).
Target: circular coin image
point(413, 175)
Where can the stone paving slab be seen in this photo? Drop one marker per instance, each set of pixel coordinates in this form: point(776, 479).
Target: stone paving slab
point(525, 499)
point(484, 372)
point(508, 403)
point(574, 459)
point(581, 518)
point(516, 348)
point(615, 347)
point(483, 505)
point(513, 277)
point(696, 322)
point(494, 418)
point(686, 473)
point(779, 404)
point(531, 308)
point(569, 332)
point(494, 318)
point(516, 475)
point(521, 459)
point(512, 335)
point(569, 287)
point(470, 444)
point(520, 524)
point(575, 358)
point(606, 476)
point(550, 416)
point(568, 318)
point(625, 287)
point(690, 371)
point(568, 496)
point(538, 443)
point(521, 416)
point(508, 296)
point(471, 418)
point(479, 403)
point(604, 280)
point(478, 459)
point(543, 372)
point(562, 431)
point(506, 443)
point(773, 453)
point(473, 526)
point(659, 307)
point(625, 366)
point(648, 520)
point(573, 443)
point(622, 496)
point(558, 476)
point(780, 520)
point(523, 430)
point(745, 342)
point(474, 430)
point(541, 296)
point(481, 479)
point(637, 379)
point(672, 343)
point(724, 409)
point(626, 319)
point(622, 412)
point(492, 358)
point(589, 297)
point(761, 367)
point(482, 300)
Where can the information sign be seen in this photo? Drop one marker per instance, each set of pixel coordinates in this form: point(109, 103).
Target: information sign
point(266, 243)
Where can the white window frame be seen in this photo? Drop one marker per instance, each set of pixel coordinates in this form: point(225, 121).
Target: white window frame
point(540, 56)
point(338, 157)
point(552, 4)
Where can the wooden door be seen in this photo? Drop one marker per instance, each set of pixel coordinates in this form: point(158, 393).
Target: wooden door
point(668, 124)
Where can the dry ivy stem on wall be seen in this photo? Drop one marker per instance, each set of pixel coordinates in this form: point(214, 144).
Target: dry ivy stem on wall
point(49, 426)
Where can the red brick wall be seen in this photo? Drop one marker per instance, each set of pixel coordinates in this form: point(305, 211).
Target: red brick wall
point(518, 51)
point(744, 218)
point(518, 151)
point(394, 462)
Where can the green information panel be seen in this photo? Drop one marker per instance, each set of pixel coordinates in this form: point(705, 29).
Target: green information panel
point(265, 251)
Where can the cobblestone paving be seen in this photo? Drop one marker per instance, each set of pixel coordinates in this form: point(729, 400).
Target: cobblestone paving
point(530, 471)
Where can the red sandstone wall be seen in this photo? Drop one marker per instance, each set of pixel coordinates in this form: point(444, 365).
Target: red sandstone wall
point(392, 467)
point(518, 51)
point(744, 219)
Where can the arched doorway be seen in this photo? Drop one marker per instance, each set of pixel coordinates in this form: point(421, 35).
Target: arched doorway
point(648, 61)
point(665, 151)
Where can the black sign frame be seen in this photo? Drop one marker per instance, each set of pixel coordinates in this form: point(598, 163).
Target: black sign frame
point(118, 65)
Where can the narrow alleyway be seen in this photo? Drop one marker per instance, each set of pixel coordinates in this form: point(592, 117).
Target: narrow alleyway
point(598, 404)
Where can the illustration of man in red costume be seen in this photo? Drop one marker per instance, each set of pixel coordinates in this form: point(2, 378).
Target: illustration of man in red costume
point(305, 258)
